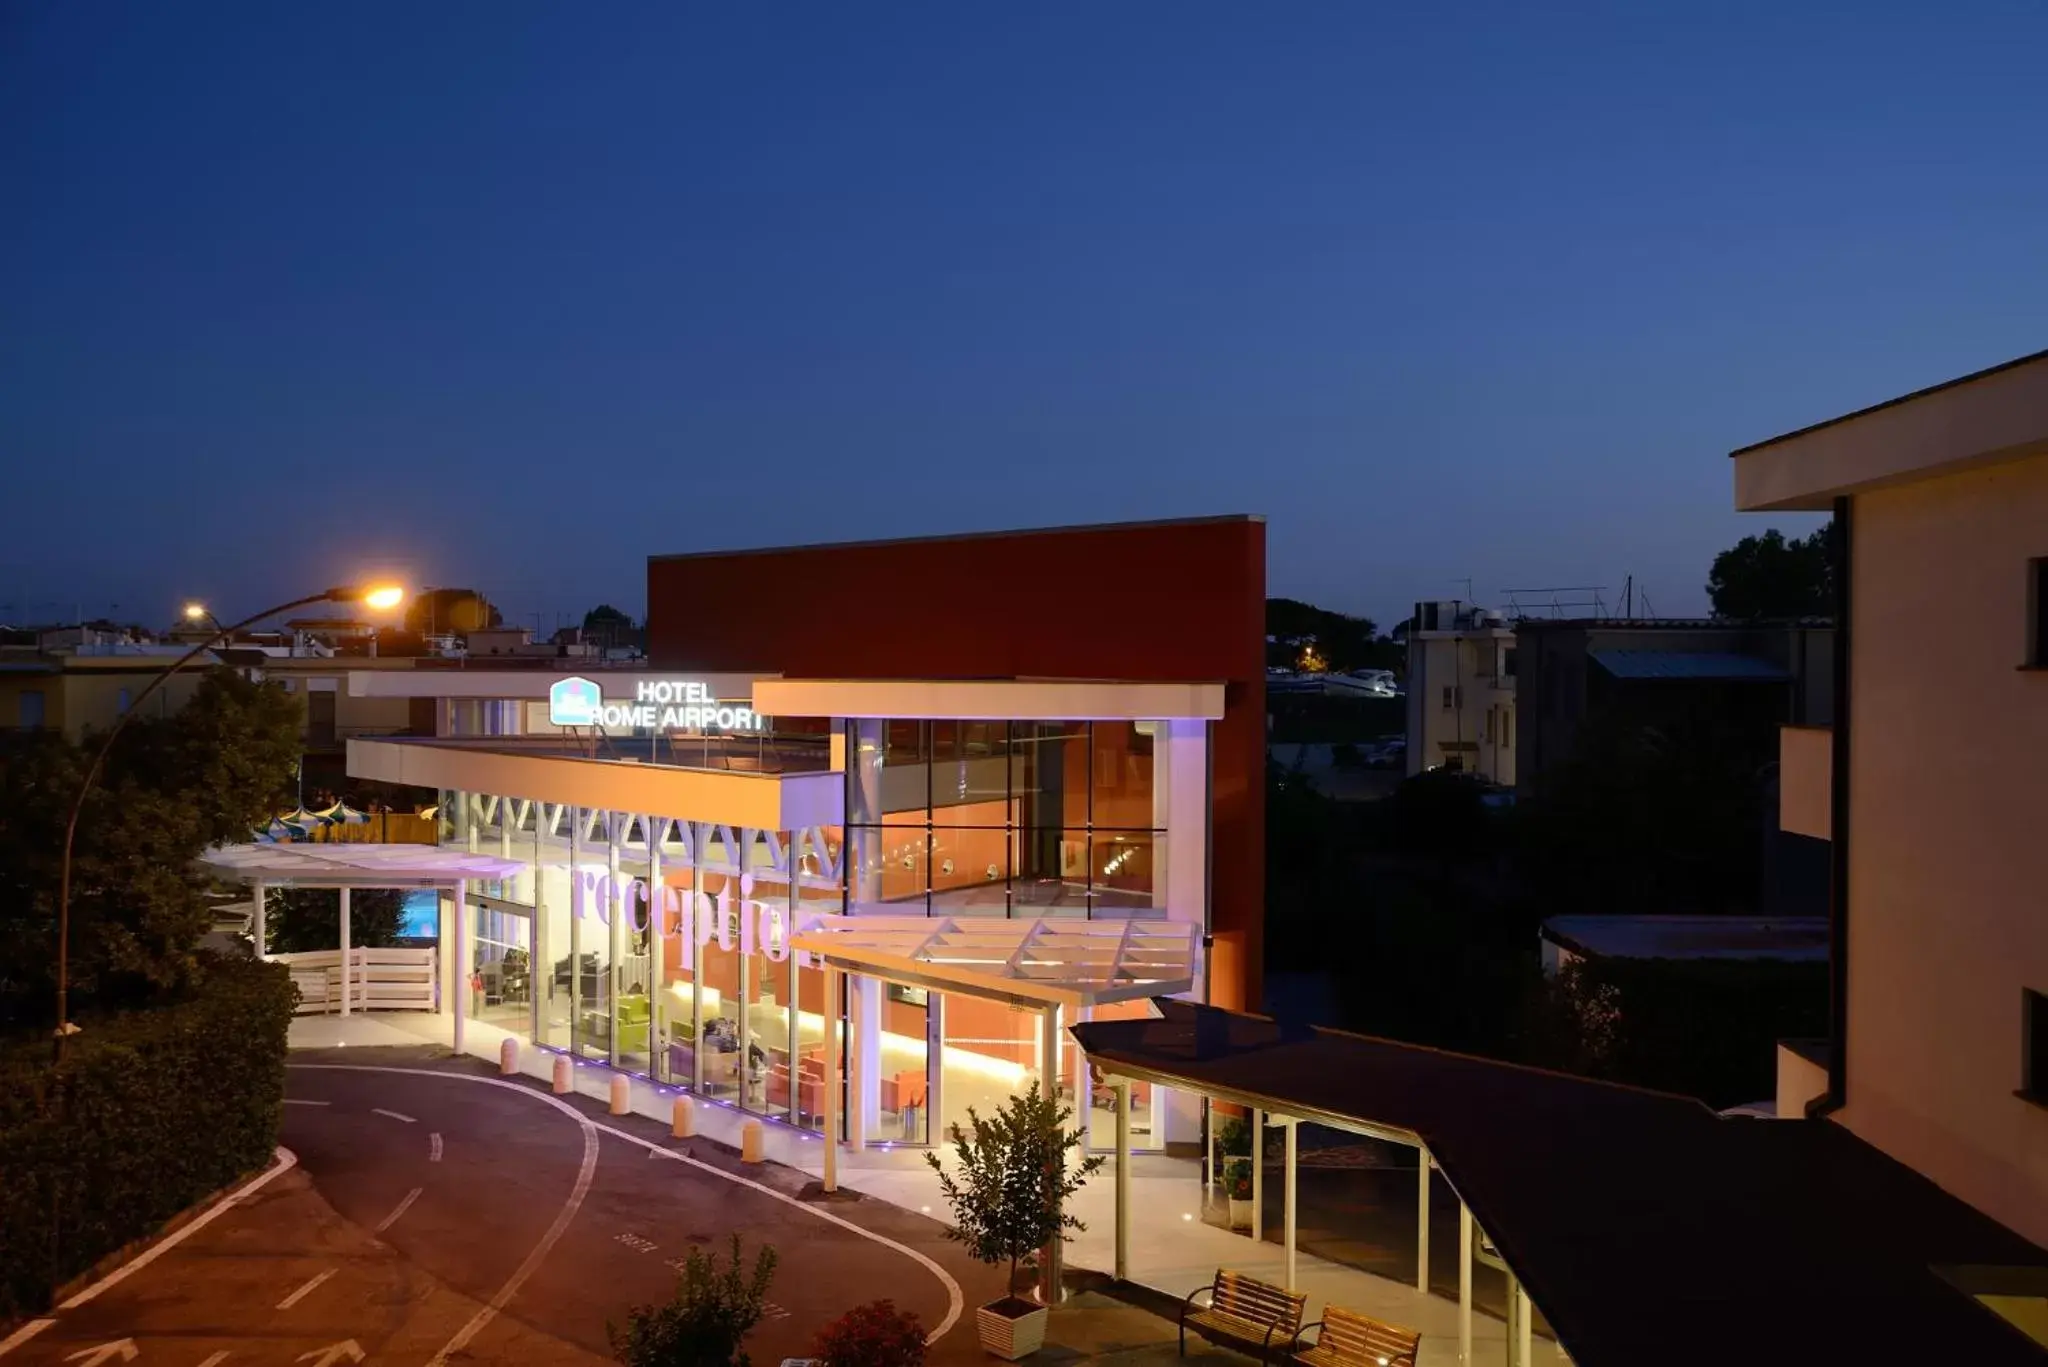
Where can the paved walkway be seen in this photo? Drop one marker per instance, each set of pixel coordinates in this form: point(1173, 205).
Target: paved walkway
point(1172, 1250)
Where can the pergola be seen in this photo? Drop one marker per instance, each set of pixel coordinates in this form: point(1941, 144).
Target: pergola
point(1050, 964)
point(346, 866)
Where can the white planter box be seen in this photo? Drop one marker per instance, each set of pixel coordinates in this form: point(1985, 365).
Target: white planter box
point(1240, 1214)
point(1008, 1338)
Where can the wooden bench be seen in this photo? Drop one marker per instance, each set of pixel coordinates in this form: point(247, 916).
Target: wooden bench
point(1346, 1338)
point(1243, 1310)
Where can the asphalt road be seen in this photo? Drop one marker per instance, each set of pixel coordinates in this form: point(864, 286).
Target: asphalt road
point(438, 1215)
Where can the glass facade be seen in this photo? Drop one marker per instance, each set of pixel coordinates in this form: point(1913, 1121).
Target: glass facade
point(661, 946)
point(1019, 818)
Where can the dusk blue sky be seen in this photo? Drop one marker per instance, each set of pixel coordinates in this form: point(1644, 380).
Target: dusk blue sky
point(515, 295)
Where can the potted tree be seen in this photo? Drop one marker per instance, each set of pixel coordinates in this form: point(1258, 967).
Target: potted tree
point(1234, 1138)
point(1009, 1203)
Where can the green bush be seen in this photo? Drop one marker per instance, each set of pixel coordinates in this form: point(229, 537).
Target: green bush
point(150, 1111)
point(873, 1335)
point(704, 1323)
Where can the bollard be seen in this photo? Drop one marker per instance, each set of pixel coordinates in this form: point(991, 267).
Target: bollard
point(681, 1123)
point(562, 1079)
point(508, 1058)
point(751, 1137)
point(622, 1095)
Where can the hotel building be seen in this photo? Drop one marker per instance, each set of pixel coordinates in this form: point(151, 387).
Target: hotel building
point(947, 796)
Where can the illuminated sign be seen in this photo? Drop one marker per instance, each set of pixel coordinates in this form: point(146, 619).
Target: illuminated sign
point(658, 705)
point(696, 919)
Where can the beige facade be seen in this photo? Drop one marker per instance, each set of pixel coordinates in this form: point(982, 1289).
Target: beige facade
point(77, 693)
point(1947, 773)
point(1461, 691)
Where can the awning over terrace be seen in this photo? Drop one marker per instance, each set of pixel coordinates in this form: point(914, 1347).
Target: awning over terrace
point(362, 865)
point(1621, 1212)
point(1046, 961)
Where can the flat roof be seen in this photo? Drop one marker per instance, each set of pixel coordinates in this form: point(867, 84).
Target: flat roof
point(1626, 1212)
point(967, 536)
point(1721, 666)
point(1793, 938)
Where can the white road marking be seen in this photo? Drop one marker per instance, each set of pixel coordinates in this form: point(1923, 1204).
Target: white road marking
point(289, 1301)
point(956, 1299)
point(285, 1159)
point(295, 1101)
point(434, 1147)
point(213, 1359)
point(124, 1349)
point(347, 1349)
point(23, 1335)
point(395, 1115)
point(402, 1207)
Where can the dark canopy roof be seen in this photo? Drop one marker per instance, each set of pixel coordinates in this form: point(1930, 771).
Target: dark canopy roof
point(1645, 1227)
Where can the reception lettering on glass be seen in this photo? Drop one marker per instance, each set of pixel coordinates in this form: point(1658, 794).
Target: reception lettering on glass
point(692, 919)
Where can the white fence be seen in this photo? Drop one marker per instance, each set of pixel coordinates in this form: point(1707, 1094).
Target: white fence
point(379, 980)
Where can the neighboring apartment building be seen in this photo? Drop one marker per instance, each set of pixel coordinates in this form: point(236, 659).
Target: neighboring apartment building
point(1461, 691)
point(83, 685)
point(1932, 782)
point(1739, 678)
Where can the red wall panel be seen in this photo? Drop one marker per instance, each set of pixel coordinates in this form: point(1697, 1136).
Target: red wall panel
point(1172, 601)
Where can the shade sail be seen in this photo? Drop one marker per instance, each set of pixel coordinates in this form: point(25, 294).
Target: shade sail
point(1047, 960)
point(364, 865)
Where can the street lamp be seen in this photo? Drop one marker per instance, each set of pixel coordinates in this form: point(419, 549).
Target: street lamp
point(378, 596)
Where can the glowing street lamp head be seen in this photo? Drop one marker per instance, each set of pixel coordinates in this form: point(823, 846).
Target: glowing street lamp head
point(378, 596)
point(195, 612)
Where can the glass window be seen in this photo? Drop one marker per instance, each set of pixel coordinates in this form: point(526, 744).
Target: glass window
point(1121, 794)
point(31, 707)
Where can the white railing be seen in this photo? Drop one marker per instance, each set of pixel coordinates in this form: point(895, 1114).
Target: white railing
point(379, 980)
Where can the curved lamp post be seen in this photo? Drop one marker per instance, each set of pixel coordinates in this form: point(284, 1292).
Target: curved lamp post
point(381, 597)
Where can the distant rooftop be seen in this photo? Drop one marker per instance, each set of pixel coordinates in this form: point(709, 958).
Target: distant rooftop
point(1716, 665)
point(1796, 939)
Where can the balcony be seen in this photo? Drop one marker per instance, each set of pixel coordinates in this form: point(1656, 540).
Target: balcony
point(768, 786)
point(1806, 781)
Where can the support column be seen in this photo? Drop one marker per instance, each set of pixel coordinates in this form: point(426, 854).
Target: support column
point(865, 1052)
point(578, 899)
point(1422, 1222)
point(1257, 1121)
point(935, 1067)
point(345, 974)
point(831, 1100)
point(700, 913)
point(615, 930)
point(1287, 1217)
point(1050, 1259)
point(1464, 1283)
point(256, 925)
point(657, 953)
point(462, 959)
point(1525, 1328)
point(1123, 1180)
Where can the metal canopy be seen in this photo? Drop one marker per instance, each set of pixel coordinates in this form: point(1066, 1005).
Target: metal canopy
point(354, 865)
point(1045, 961)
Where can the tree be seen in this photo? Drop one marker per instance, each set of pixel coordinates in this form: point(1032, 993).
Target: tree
point(1009, 1200)
point(1767, 576)
point(607, 626)
point(1337, 640)
point(705, 1321)
point(296, 920)
point(440, 611)
point(172, 786)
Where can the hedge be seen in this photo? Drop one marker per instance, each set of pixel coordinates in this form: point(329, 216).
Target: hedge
point(151, 1111)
